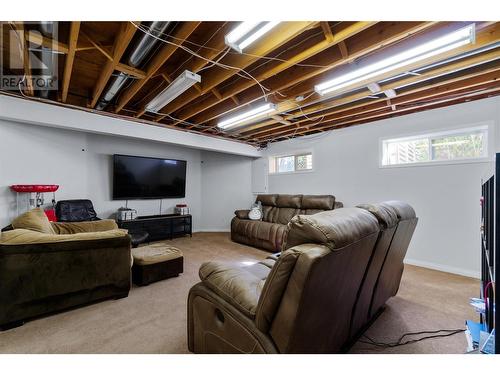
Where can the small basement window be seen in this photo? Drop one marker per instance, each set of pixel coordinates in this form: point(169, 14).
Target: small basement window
point(290, 163)
point(457, 145)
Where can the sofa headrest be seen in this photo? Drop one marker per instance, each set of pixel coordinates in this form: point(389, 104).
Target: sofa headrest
point(289, 201)
point(318, 202)
point(385, 214)
point(267, 199)
point(402, 209)
point(334, 229)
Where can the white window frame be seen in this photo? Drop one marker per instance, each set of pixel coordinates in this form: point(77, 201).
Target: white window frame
point(490, 147)
point(295, 154)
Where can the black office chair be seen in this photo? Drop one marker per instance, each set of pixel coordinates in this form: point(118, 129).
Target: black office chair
point(75, 210)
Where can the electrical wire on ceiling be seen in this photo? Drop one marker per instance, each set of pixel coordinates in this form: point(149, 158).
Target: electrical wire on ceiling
point(180, 66)
point(253, 55)
point(224, 66)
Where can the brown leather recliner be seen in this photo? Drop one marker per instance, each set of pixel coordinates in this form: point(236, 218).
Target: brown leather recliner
point(278, 210)
point(305, 300)
point(397, 222)
point(300, 304)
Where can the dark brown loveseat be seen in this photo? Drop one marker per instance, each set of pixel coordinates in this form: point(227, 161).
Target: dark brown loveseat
point(75, 264)
point(278, 210)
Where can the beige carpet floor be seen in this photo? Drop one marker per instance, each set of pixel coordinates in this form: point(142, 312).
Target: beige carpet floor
point(153, 318)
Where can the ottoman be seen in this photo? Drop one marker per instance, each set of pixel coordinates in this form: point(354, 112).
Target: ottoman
point(156, 262)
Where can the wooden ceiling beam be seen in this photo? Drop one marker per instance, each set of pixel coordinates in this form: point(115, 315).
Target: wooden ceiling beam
point(122, 40)
point(327, 31)
point(134, 72)
point(38, 39)
point(484, 38)
point(494, 91)
point(97, 45)
point(264, 73)
point(28, 84)
point(70, 57)
point(461, 84)
point(312, 111)
point(381, 36)
point(281, 34)
point(184, 31)
point(215, 47)
point(309, 109)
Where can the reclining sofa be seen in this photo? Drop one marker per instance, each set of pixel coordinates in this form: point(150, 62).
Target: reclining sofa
point(336, 271)
point(47, 267)
point(278, 210)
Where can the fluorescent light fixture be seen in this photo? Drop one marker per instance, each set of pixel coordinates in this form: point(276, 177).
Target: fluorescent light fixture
point(183, 82)
point(247, 116)
point(246, 33)
point(439, 45)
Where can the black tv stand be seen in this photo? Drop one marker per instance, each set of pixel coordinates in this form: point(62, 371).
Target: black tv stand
point(160, 227)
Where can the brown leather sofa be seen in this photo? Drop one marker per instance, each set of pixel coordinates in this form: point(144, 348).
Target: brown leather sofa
point(72, 265)
point(337, 270)
point(278, 210)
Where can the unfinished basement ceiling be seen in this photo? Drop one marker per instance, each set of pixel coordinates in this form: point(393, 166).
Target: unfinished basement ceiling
point(119, 67)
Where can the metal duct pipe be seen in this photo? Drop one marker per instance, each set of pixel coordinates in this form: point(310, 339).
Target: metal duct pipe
point(140, 51)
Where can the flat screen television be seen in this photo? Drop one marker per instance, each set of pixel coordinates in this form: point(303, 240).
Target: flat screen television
point(136, 177)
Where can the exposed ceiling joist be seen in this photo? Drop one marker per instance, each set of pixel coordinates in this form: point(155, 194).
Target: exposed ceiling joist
point(68, 64)
point(266, 73)
point(121, 43)
point(182, 33)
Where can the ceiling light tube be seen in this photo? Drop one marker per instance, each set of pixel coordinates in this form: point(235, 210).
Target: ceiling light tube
point(247, 116)
point(183, 82)
point(434, 47)
point(246, 33)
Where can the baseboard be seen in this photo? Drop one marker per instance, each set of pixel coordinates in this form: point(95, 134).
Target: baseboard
point(443, 268)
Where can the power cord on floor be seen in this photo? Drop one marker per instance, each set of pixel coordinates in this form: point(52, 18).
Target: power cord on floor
point(400, 342)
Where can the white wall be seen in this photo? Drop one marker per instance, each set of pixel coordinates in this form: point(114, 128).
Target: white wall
point(227, 186)
point(81, 164)
point(445, 197)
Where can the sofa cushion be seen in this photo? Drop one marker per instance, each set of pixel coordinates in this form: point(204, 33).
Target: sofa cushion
point(26, 236)
point(84, 226)
point(34, 220)
point(289, 201)
point(267, 199)
point(284, 215)
point(238, 286)
point(334, 229)
point(385, 215)
point(155, 253)
point(402, 209)
point(261, 230)
point(318, 202)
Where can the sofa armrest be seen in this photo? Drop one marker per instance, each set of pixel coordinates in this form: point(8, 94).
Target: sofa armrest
point(242, 214)
point(84, 226)
point(234, 284)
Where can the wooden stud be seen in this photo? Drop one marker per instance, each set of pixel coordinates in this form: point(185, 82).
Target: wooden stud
point(70, 57)
point(327, 31)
